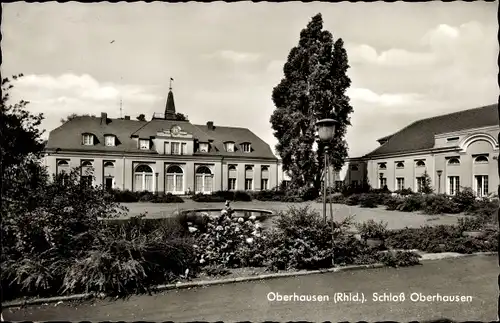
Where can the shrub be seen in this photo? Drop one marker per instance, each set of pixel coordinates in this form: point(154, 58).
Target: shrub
point(372, 229)
point(438, 204)
point(355, 189)
point(269, 195)
point(370, 200)
point(222, 196)
point(125, 196)
point(392, 202)
point(465, 199)
point(404, 192)
point(302, 240)
point(400, 258)
point(353, 199)
point(412, 203)
point(336, 198)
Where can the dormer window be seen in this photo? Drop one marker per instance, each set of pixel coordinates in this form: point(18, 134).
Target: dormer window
point(109, 140)
point(204, 147)
point(88, 139)
point(246, 147)
point(230, 147)
point(144, 144)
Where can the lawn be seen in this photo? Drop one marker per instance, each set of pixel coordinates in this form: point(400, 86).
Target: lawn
point(395, 219)
point(469, 276)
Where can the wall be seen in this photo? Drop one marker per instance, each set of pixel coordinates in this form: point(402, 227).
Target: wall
point(124, 166)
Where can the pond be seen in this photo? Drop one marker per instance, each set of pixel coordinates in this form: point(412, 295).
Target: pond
point(263, 216)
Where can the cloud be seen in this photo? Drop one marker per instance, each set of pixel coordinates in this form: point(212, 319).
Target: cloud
point(59, 96)
point(385, 99)
point(237, 57)
point(362, 53)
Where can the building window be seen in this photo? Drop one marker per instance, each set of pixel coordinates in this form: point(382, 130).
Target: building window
point(454, 162)
point(400, 165)
point(230, 147)
point(400, 183)
point(452, 139)
point(109, 140)
point(108, 183)
point(420, 163)
point(354, 168)
point(264, 183)
point(175, 148)
point(86, 180)
point(383, 182)
point(481, 160)
point(231, 184)
point(354, 183)
point(144, 144)
point(420, 183)
point(183, 148)
point(88, 139)
point(246, 147)
point(174, 179)
point(204, 147)
point(109, 164)
point(204, 180)
point(481, 183)
point(382, 166)
point(248, 184)
point(232, 174)
point(249, 177)
point(62, 170)
point(143, 178)
point(453, 185)
point(86, 168)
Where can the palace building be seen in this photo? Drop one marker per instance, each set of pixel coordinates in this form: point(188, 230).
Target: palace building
point(456, 150)
point(163, 154)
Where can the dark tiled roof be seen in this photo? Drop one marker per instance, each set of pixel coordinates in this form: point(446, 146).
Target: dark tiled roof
point(69, 136)
point(420, 134)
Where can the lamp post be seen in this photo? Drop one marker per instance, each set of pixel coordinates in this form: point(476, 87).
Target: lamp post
point(439, 172)
point(326, 133)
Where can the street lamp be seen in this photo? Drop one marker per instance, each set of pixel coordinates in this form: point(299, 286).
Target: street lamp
point(439, 172)
point(326, 133)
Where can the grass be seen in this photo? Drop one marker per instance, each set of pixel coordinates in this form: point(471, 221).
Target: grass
point(394, 219)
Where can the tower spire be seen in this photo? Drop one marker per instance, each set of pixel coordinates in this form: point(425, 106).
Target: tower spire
point(170, 106)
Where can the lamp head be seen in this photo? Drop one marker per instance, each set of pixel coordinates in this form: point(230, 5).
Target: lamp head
point(326, 129)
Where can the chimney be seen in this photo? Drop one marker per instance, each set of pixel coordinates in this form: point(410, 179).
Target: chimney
point(104, 118)
point(210, 125)
point(127, 117)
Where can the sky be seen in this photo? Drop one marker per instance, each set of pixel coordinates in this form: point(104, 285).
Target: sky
point(408, 61)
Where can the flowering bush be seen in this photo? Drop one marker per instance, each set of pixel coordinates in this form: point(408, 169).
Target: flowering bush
point(230, 243)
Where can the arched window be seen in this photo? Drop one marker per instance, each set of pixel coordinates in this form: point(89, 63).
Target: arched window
point(86, 171)
point(382, 166)
point(354, 168)
point(420, 163)
point(174, 179)
point(400, 165)
point(204, 180)
point(109, 174)
point(232, 175)
point(62, 167)
point(481, 160)
point(143, 178)
point(454, 161)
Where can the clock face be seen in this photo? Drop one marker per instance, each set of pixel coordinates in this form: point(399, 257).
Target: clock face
point(175, 130)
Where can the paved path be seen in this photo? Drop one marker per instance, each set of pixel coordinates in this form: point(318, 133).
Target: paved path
point(470, 276)
point(394, 219)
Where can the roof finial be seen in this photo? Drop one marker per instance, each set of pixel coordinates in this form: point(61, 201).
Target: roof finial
point(170, 88)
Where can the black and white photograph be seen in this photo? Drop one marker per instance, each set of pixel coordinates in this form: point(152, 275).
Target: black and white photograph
point(250, 161)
